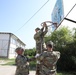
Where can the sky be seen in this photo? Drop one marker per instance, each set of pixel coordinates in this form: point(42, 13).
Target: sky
point(15, 17)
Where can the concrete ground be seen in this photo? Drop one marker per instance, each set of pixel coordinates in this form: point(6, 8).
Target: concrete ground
point(10, 70)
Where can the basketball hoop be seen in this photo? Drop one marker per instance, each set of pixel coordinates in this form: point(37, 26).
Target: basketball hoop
point(49, 23)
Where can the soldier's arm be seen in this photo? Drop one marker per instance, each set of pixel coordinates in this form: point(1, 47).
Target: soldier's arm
point(46, 30)
point(56, 57)
point(37, 35)
point(41, 56)
point(19, 62)
point(58, 54)
point(42, 29)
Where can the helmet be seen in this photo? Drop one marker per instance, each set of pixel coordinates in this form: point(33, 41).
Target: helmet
point(37, 28)
point(19, 48)
point(50, 44)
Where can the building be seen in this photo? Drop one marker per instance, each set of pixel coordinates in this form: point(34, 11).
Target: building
point(8, 43)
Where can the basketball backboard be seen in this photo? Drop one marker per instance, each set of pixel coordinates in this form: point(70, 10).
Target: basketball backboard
point(57, 13)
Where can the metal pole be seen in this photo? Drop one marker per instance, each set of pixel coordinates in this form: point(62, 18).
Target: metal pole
point(70, 10)
point(70, 20)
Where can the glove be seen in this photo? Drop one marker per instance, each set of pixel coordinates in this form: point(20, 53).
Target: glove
point(37, 55)
point(38, 62)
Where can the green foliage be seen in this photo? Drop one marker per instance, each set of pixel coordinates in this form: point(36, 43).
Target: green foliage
point(31, 53)
point(65, 42)
point(61, 37)
point(33, 65)
point(70, 57)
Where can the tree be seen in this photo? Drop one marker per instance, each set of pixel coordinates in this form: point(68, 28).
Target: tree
point(30, 52)
point(60, 37)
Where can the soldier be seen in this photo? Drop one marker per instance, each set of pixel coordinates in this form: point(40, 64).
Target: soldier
point(22, 62)
point(39, 38)
point(48, 60)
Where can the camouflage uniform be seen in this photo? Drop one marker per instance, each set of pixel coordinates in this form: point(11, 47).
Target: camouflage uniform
point(48, 60)
point(22, 65)
point(22, 62)
point(39, 38)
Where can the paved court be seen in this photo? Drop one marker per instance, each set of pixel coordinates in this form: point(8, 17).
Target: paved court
point(10, 70)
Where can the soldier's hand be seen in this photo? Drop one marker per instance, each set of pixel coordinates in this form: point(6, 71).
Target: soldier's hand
point(37, 55)
point(44, 24)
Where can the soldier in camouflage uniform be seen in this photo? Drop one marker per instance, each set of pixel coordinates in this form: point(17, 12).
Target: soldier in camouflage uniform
point(48, 60)
point(39, 38)
point(21, 62)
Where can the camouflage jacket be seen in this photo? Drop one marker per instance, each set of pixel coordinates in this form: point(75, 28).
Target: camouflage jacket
point(48, 61)
point(22, 65)
point(40, 35)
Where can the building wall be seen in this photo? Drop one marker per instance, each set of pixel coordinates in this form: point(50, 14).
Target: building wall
point(8, 44)
point(4, 40)
point(14, 43)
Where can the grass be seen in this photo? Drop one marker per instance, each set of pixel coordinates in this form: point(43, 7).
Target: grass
point(10, 63)
point(6, 61)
